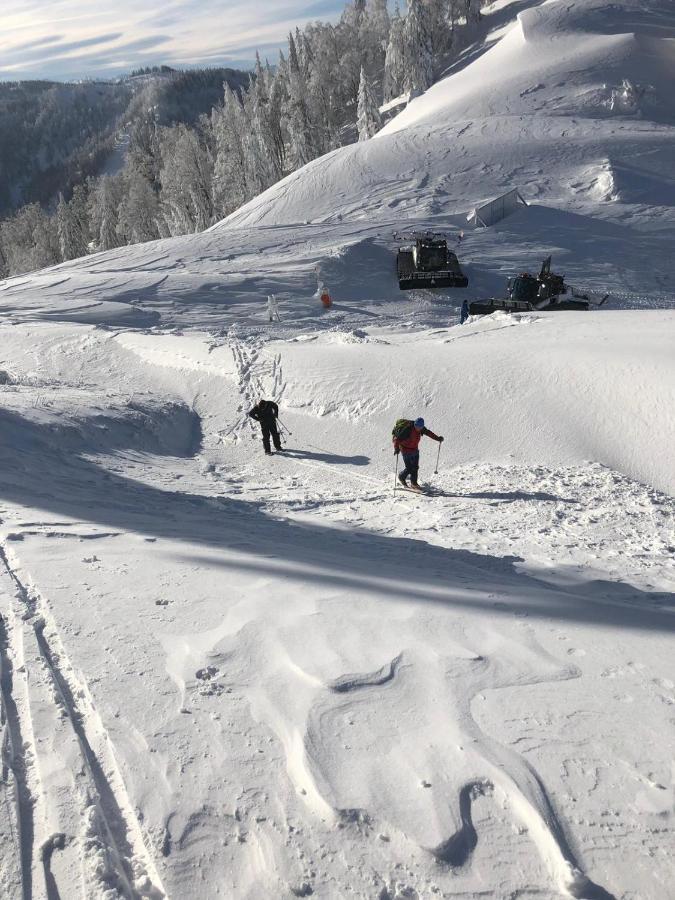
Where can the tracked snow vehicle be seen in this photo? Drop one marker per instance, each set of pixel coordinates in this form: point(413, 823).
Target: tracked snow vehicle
point(552, 292)
point(428, 264)
point(487, 307)
point(546, 291)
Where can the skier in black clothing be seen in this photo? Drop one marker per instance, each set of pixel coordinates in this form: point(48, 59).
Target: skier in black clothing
point(266, 412)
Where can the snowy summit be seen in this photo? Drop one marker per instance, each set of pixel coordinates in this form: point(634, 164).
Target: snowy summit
point(227, 673)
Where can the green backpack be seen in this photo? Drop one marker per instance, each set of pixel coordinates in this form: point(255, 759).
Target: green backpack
point(402, 429)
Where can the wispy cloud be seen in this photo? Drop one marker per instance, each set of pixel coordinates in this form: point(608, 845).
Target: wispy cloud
point(54, 49)
point(73, 39)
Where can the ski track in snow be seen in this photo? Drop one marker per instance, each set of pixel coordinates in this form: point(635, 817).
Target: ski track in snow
point(258, 376)
point(17, 825)
point(110, 843)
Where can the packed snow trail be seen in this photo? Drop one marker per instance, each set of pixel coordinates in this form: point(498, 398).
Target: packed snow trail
point(109, 847)
point(17, 826)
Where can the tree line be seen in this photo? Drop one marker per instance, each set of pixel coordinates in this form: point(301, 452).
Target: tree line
point(179, 178)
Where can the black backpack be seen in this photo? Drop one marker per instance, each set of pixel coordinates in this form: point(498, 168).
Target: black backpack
point(402, 429)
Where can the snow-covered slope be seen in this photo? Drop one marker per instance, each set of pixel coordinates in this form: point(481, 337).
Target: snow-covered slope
point(563, 59)
point(230, 675)
point(571, 102)
point(288, 679)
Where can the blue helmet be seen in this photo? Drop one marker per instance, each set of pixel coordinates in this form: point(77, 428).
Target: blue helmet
point(419, 423)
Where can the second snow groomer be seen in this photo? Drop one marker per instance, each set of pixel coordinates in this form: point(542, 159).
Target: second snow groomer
point(406, 436)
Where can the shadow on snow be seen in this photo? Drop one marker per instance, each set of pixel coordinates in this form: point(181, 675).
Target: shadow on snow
point(237, 535)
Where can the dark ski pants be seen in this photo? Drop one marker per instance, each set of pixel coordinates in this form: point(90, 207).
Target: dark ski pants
point(270, 428)
point(412, 464)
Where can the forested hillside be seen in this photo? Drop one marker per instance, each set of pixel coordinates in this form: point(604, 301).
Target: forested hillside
point(196, 153)
point(55, 139)
point(53, 135)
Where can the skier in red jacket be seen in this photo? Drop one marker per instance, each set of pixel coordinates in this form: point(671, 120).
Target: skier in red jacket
point(409, 446)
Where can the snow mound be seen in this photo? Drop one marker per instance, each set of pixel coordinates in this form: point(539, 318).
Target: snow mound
point(56, 426)
point(563, 59)
point(558, 90)
point(532, 389)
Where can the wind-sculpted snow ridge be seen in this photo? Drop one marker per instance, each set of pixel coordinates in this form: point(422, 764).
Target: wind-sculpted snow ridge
point(531, 367)
point(402, 702)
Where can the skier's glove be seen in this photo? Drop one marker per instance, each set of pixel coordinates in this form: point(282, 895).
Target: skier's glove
point(440, 440)
point(396, 451)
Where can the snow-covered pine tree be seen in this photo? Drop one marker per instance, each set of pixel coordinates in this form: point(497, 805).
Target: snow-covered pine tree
point(394, 64)
point(326, 85)
point(354, 13)
point(351, 32)
point(186, 178)
point(257, 157)
point(305, 53)
point(63, 228)
point(277, 85)
point(373, 38)
point(4, 265)
point(418, 52)
point(72, 243)
point(439, 19)
point(265, 167)
point(230, 188)
point(29, 240)
point(143, 154)
point(378, 14)
point(369, 120)
point(138, 211)
point(79, 206)
point(299, 124)
point(472, 11)
point(103, 208)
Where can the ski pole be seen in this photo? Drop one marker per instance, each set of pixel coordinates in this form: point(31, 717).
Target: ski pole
point(395, 470)
point(438, 456)
point(284, 427)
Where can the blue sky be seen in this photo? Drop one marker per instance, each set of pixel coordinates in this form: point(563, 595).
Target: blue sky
point(71, 39)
